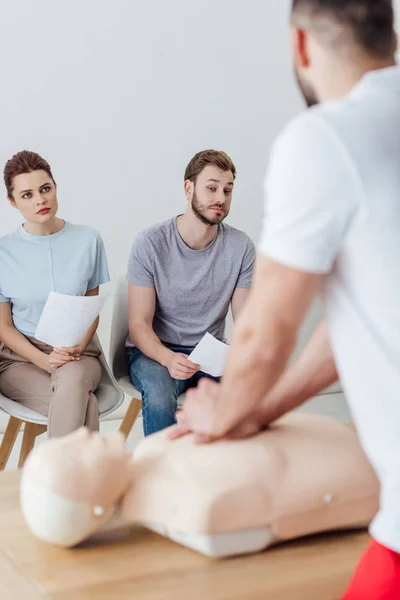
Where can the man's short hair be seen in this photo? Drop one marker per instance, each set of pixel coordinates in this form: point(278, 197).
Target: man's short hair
point(371, 22)
point(201, 160)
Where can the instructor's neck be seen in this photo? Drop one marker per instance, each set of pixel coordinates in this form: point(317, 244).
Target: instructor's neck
point(195, 234)
point(344, 76)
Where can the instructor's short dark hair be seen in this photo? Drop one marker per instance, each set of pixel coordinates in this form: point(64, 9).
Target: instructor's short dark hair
point(371, 22)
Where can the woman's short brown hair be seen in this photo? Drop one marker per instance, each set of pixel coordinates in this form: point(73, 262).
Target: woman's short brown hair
point(24, 162)
point(202, 159)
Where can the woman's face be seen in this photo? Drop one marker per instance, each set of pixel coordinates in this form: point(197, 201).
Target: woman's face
point(35, 196)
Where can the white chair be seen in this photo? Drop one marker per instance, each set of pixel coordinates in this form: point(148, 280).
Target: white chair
point(118, 356)
point(109, 397)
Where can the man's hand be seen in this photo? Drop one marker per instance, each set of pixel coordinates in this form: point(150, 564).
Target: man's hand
point(52, 362)
point(75, 351)
point(198, 415)
point(180, 367)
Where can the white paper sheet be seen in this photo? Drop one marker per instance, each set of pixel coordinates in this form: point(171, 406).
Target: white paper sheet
point(211, 355)
point(65, 320)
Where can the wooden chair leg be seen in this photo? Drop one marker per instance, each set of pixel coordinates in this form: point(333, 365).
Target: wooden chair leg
point(10, 435)
point(31, 431)
point(130, 417)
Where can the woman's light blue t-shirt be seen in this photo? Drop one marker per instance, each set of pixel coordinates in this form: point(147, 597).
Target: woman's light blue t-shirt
point(72, 261)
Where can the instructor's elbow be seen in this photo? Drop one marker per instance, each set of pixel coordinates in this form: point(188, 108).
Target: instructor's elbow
point(269, 350)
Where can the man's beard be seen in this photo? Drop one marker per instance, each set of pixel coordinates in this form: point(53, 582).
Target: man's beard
point(199, 211)
point(306, 89)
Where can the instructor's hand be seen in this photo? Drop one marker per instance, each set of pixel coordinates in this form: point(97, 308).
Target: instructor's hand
point(199, 413)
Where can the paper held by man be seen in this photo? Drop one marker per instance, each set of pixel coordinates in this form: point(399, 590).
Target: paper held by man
point(65, 319)
point(211, 355)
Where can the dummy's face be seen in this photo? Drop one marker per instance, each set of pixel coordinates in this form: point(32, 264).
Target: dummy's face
point(211, 196)
point(83, 466)
point(35, 196)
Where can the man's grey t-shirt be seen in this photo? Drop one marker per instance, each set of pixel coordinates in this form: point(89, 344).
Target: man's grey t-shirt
point(193, 287)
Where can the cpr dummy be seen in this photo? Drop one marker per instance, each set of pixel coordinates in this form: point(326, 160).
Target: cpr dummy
point(305, 474)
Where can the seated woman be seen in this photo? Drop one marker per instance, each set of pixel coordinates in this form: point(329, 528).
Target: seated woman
point(46, 254)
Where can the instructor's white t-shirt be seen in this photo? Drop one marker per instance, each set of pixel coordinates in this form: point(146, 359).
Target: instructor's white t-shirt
point(333, 207)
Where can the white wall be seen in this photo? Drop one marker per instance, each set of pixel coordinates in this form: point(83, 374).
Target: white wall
point(118, 95)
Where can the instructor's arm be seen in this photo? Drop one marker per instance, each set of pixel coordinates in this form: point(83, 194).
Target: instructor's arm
point(264, 338)
point(310, 374)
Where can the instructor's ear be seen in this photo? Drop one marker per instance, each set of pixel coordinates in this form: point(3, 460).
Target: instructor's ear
point(396, 43)
point(300, 42)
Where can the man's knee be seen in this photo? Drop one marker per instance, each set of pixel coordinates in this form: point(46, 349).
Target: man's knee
point(153, 379)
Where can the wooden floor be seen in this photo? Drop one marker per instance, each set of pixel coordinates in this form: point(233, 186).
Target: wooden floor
point(137, 564)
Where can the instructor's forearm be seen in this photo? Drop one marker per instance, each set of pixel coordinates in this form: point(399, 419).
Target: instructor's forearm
point(310, 374)
point(263, 341)
point(260, 359)
point(19, 344)
point(146, 340)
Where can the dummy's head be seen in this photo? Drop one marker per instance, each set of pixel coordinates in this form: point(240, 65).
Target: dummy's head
point(209, 180)
point(30, 186)
point(333, 41)
point(73, 483)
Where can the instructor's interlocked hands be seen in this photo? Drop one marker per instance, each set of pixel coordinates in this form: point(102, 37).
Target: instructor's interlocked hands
point(199, 414)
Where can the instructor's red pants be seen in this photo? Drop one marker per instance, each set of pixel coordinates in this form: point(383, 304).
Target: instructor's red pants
point(377, 577)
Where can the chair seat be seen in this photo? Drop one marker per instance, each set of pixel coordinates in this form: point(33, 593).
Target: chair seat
point(14, 409)
point(108, 396)
point(128, 387)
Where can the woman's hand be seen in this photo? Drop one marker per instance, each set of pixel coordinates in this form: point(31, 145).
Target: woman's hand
point(75, 351)
point(55, 360)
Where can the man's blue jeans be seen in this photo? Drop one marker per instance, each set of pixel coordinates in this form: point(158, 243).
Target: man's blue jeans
point(159, 390)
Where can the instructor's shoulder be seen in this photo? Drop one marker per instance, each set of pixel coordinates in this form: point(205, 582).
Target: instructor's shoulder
point(305, 130)
point(307, 141)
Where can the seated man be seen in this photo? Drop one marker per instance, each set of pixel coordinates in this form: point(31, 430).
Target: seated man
point(183, 275)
